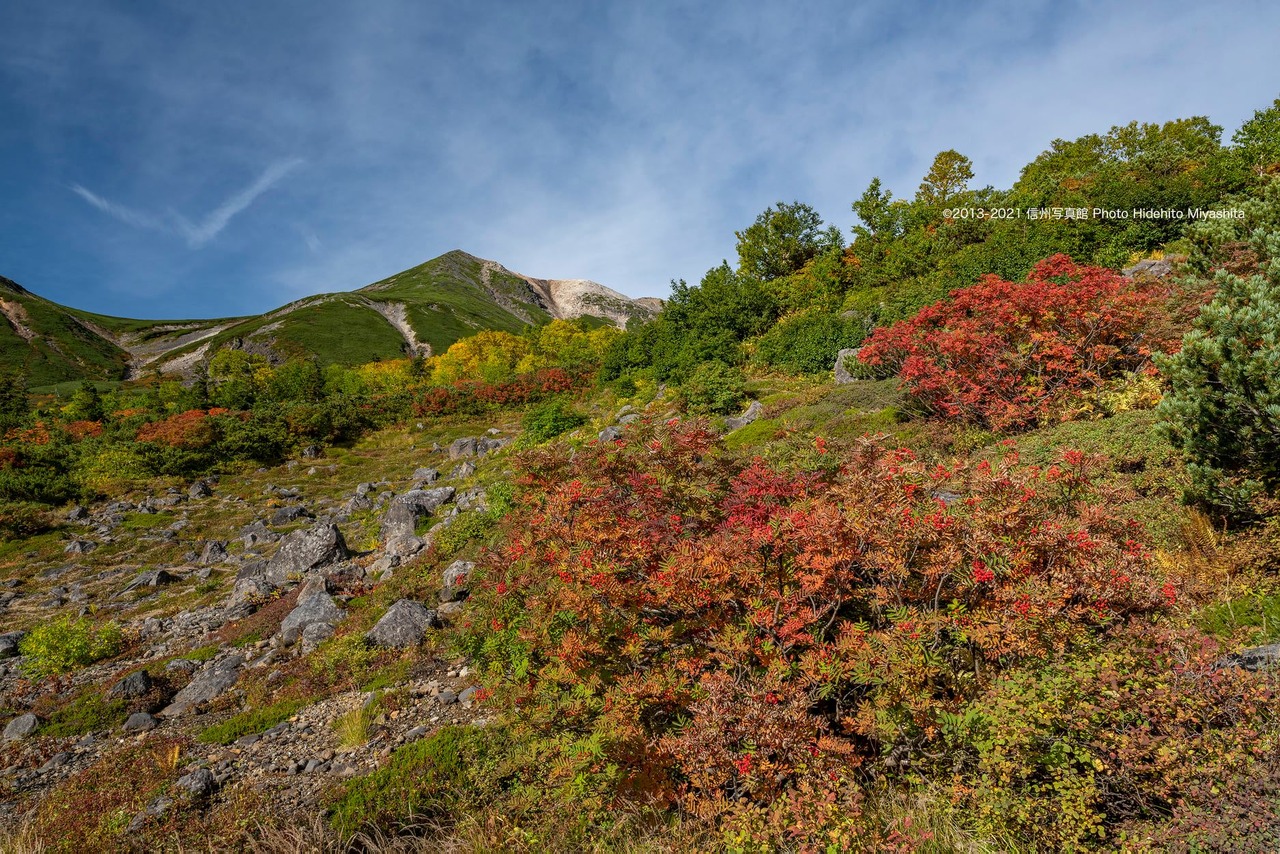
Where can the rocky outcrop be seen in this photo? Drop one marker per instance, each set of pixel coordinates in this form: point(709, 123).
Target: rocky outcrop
point(21, 727)
point(455, 581)
point(400, 522)
point(211, 682)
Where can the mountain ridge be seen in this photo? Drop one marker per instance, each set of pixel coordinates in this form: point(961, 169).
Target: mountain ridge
point(416, 312)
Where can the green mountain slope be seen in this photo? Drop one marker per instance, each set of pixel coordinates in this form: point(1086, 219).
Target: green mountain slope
point(420, 311)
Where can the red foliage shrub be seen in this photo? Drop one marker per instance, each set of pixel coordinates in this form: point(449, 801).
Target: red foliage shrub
point(1009, 355)
point(745, 628)
point(473, 396)
point(9, 458)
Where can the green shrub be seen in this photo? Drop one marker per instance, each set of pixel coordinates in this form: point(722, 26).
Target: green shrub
point(808, 343)
point(424, 779)
point(715, 387)
point(550, 420)
point(19, 520)
point(1223, 408)
point(467, 528)
point(68, 643)
point(252, 721)
point(86, 713)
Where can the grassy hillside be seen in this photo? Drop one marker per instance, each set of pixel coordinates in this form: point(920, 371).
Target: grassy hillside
point(424, 309)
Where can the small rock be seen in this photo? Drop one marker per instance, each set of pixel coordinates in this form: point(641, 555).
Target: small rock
point(463, 471)
point(10, 643)
point(131, 687)
point(1255, 658)
point(468, 694)
point(610, 434)
point(197, 785)
point(199, 489)
point(140, 722)
point(426, 475)
point(79, 547)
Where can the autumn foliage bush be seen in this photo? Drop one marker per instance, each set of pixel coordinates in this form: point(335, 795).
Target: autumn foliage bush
point(727, 631)
point(1008, 355)
point(473, 397)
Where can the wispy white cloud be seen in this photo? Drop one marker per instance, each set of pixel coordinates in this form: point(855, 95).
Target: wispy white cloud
point(196, 232)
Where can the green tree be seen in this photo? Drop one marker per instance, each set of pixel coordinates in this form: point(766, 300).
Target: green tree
point(946, 179)
point(85, 403)
point(1257, 142)
point(783, 239)
point(14, 403)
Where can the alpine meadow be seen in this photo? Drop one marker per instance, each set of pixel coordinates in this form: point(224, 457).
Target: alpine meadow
point(954, 531)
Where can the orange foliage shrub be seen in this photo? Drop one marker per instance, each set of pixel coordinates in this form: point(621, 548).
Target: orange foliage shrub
point(190, 429)
point(84, 429)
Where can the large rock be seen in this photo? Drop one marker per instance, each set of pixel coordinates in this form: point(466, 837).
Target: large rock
point(843, 376)
point(754, 411)
point(404, 625)
point(1148, 267)
point(612, 433)
point(257, 532)
point(140, 722)
point(315, 607)
point(289, 514)
point(21, 727)
point(197, 785)
point(152, 578)
point(305, 551)
point(400, 521)
point(213, 680)
point(455, 581)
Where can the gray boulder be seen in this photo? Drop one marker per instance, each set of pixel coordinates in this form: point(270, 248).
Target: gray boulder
point(79, 547)
point(215, 551)
point(1148, 267)
point(315, 607)
point(211, 682)
point(257, 532)
point(404, 625)
point(131, 687)
point(140, 722)
point(199, 489)
point(754, 411)
point(152, 578)
point(462, 471)
point(426, 475)
point(305, 551)
point(611, 433)
point(843, 376)
point(455, 581)
point(21, 727)
point(401, 519)
point(290, 514)
point(9, 643)
point(197, 785)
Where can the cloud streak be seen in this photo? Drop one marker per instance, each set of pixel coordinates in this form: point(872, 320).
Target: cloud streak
point(196, 232)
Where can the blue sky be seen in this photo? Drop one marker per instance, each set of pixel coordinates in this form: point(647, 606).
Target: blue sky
point(183, 160)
